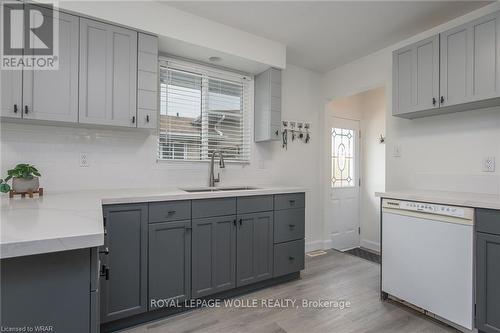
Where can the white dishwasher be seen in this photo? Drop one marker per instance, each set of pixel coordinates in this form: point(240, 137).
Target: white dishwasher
point(427, 258)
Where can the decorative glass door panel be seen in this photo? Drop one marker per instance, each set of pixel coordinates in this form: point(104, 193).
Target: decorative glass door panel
point(343, 167)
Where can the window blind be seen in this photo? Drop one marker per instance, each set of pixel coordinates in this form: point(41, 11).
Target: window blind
point(203, 110)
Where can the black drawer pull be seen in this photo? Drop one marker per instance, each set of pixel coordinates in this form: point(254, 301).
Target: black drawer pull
point(234, 222)
point(241, 221)
point(15, 108)
point(26, 109)
point(133, 119)
point(291, 226)
point(171, 212)
point(291, 258)
point(147, 118)
point(105, 251)
point(104, 272)
point(292, 202)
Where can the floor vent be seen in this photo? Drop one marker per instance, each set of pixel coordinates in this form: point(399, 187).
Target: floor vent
point(367, 255)
point(313, 254)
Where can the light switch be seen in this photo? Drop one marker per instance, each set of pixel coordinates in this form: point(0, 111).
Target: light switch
point(396, 151)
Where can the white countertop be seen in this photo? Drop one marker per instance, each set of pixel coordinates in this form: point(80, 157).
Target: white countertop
point(73, 220)
point(474, 200)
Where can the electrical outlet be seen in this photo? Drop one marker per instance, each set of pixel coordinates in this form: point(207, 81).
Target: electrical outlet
point(396, 151)
point(489, 164)
point(84, 160)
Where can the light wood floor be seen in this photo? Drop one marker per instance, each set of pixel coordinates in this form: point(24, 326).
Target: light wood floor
point(332, 276)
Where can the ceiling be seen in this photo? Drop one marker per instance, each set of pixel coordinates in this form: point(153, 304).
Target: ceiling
point(322, 35)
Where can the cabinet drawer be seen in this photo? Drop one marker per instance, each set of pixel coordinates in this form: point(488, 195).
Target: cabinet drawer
point(214, 207)
point(169, 211)
point(288, 257)
point(288, 225)
point(488, 221)
point(260, 203)
point(287, 201)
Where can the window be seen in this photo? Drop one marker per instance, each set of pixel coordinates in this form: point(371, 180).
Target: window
point(342, 157)
point(203, 110)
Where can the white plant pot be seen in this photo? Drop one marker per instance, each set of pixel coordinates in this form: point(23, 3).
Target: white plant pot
point(25, 185)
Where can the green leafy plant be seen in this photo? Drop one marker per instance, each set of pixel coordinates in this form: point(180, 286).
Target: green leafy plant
point(25, 171)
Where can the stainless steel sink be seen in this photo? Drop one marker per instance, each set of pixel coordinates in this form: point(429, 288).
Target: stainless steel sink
point(200, 189)
point(237, 188)
point(215, 189)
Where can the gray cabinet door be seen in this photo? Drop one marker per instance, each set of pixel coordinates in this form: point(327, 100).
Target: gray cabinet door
point(108, 74)
point(125, 292)
point(416, 77)
point(169, 261)
point(11, 95)
point(214, 255)
point(53, 94)
point(487, 280)
point(469, 61)
point(267, 99)
point(11, 92)
point(254, 248)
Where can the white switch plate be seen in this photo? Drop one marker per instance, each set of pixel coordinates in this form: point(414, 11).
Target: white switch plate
point(396, 152)
point(84, 160)
point(489, 164)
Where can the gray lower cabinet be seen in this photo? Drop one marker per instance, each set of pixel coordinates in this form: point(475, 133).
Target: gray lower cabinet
point(124, 269)
point(488, 271)
point(169, 261)
point(47, 292)
point(254, 248)
point(214, 255)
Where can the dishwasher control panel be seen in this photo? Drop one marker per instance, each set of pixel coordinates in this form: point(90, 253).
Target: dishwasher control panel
point(427, 208)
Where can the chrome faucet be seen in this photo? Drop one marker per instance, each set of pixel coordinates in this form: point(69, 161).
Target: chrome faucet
point(211, 176)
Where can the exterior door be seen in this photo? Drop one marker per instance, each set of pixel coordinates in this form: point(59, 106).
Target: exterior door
point(214, 255)
point(53, 94)
point(254, 248)
point(342, 211)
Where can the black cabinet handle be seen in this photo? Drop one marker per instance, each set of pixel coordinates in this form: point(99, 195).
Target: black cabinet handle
point(133, 119)
point(433, 100)
point(291, 258)
point(171, 212)
point(26, 109)
point(15, 108)
point(292, 202)
point(105, 251)
point(234, 222)
point(442, 99)
point(291, 226)
point(241, 221)
point(104, 272)
point(147, 118)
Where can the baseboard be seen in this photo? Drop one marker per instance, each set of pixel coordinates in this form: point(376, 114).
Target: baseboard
point(370, 245)
point(314, 245)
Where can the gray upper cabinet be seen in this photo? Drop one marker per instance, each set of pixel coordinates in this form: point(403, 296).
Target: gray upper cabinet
point(267, 113)
point(147, 86)
point(12, 93)
point(254, 248)
point(124, 269)
point(214, 255)
point(108, 74)
point(458, 70)
point(416, 77)
point(169, 261)
point(53, 94)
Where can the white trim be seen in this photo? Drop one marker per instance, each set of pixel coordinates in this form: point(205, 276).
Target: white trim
point(314, 245)
point(370, 245)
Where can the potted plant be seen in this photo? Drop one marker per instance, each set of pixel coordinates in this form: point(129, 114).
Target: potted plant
point(24, 179)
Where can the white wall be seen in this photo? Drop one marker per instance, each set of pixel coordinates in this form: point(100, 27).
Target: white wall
point(369, 108)
point(160, 19)
point(442, 152)
point(127, 159)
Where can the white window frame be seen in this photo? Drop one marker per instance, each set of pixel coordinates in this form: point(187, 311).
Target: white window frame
point(217, 73)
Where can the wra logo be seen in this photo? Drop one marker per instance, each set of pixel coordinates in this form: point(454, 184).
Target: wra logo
point(29, 36)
